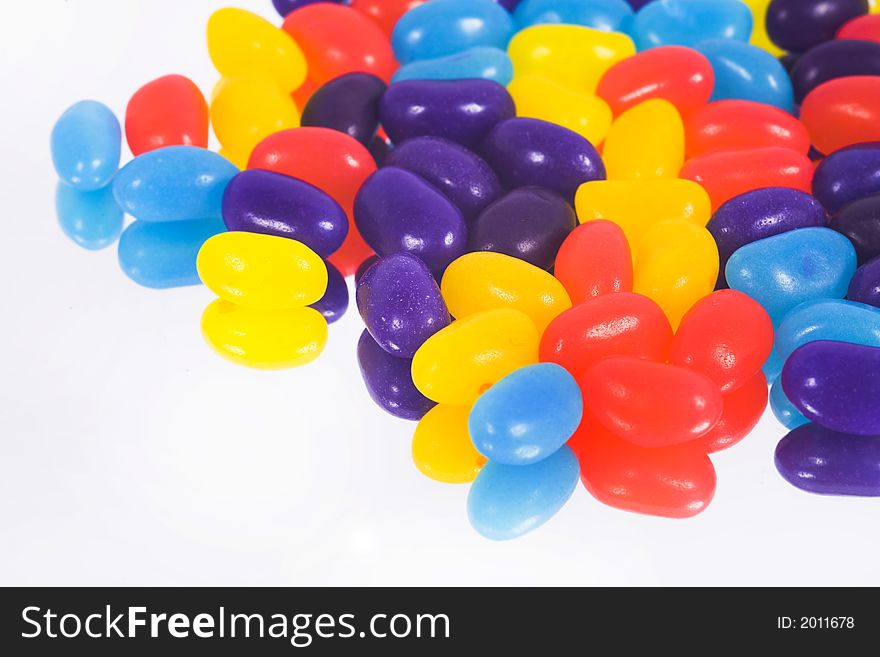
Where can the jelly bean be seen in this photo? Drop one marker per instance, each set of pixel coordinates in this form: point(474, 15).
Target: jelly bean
point(836, 385)
point(831, 60)
point(264, 339)
point(91, 219)
point(169, 111)
point(480, 62)
point(622, 324)
point(284, 7)
point(822, 461)
point(798, 25)
point(384, 13)
point(484, 280)
point(396, 211)
point(607, 15)
point(461, 175)
point(828, 319)
point(163, 255)
point(684, 22)
point(507, 501)
point(509, 5)
point(646, 141)
point(866, 28)
point(533, 152)
point(594, 259)
point(742, 124)
point(784, 411)
point(865, 284)
point(263, 272)
point(389, 381)
point(349, 104)
point(459, 110)
point(334, 303)
point(436, 29)
point(848, 175)
point(337, 39)
point(743, 409)
point(745, 72)
point(680, 75)
point(380, 148)
point(401, 304)
point(676, 264)
point(785, 270)
point(725, 174)
point(459, 363)
point(529, 223)
point(242, 44)
point(773, 367)
point(173, 184)
point(843, 112)
point(442, 449)
point(571, 55)
point(86, 142)
point(760, 37)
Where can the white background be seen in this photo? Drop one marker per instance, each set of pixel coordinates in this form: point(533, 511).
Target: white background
point(131, 454)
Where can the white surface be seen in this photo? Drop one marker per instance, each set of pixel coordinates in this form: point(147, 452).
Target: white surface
point(133, 455)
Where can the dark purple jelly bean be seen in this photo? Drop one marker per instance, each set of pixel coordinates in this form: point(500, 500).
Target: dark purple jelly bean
point(396, 211)
point(836, 385)
point(860, 222)
point(260, 201)
point(762, 213)
point(533, 152)
point(798, 25)
point(529, 223)
point(462, 175)
point(363, 267)
point(334, 303)
point(788, 61)
point(349, 104)
point(847, 175)
point(818, 460)
point(389, 381)
point(865, 284)
point(509, 5)
point(401, 304)
point(835, 59)
point(462, 111)
point(284, 7)
point(380, 148)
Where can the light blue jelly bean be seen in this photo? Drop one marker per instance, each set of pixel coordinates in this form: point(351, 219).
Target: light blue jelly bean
point(746, 72)
point(507, 501)
point(86, 142)
point(527, 415)
point(828, 319)
point(480, 62)
point(445, 27)
point(686, 22)
point(176, 183)
point(607, 15)
point(91, 219)
point(785, 270)
point(773, 366)
point(783, 409)
point(163, 255)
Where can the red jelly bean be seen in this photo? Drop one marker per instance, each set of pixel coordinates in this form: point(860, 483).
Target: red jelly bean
point(727, 336)
point(725, 174)
point(680, 75)
point(865, 28)
point(610, 325)
point(169, 111)
point(384, 13)
point(594, 259)
point(743, 409)
point(742, 124)
point(337, 39)
point(843, 112)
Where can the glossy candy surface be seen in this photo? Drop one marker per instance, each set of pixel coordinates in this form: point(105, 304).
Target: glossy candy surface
point(334, 303)
point(798, 25)
point(483, 62)
point(169, 111)
point(595, 259)
point(389, 381)
point(384, 13)
point(91, 219)
point(685, 22)
point(442, 449)
point(349, 104)
point(848, 175)
point(831, 60)
point(865, 284)
point(828, 319)
point(784, 411)
point(743, 409)
point(843, 112)
point(85, 143)
point(607, 15)
point(646, 141)
point(865, 27)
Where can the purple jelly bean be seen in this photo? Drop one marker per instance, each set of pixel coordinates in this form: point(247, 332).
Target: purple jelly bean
point(761, 213)
point(509, 5)
point(798, 25)
point(831, 60)
point(401, 304)
point(818, 460)
point(334, 303)
point(380, 148)
point(363, 267)
point(836, 385)
point(865, 284)
point(396, 211)
point(533, 152)
point(860, 222)
point(349, 104)
point(529, 223)
point(462, 175)
point(848, 175)
point(284, 7)
point(462, 111)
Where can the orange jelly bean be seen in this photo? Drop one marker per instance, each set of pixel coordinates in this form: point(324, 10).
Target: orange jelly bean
point(384, 13)
point(743, 409)
point(594, 259)
point(169, 111)
point(843, 112)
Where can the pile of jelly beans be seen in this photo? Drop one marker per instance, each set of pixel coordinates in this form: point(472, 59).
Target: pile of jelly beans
point(585, 235)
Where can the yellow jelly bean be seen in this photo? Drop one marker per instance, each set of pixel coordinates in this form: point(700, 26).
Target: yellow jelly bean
point(264, 339)
point(676, 265)
point(646, 141)
point(460, 362)
point(485, 280)
point(237, 159)
point(538, 97)
point(241, 44)
point(262, 271)
point(442, 448)
point(759, 27)
point(572, 55)
point(874, 6)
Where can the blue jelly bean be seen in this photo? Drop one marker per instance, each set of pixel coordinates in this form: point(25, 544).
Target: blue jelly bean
point(91, 219)
point(176, 183)
point(865, 284)
point(685, 22)
point(772, 367)
point(334, 303)
point(860, 222)
point(86, 143)
point(607, 15)
point(798, 25)
point(831, 60)
point(828, 319)
point(526, 416)
point(349, 104)
point(480, 62)
point(163, 254)
point(507, 501)
point(783, 409)
point(847, 175)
